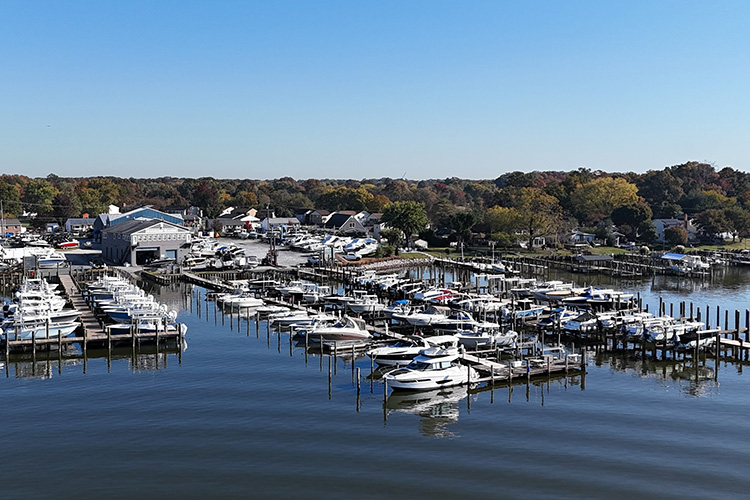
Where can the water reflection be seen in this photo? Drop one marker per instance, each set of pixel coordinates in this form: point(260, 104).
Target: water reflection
point(438, 409)
point(46, 365)
point(693, 379)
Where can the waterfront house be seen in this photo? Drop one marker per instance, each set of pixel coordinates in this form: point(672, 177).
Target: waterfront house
point(140, 241)
point(686, 223)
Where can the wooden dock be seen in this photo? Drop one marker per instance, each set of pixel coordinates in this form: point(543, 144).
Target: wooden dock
point(91, 332)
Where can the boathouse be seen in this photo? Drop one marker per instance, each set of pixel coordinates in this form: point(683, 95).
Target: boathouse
point(141, 241)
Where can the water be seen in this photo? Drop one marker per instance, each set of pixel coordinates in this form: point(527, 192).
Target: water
point(242, 417)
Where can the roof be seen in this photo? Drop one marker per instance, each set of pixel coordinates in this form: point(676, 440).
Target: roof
point(338, 219)
point(673, 256)
point(135, 225)
point(282, 220)
point(80, 220)
point(594, 258)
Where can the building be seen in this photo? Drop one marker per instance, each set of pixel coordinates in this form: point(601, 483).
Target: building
point(284, 223)
point(347, 222)
point(111, 219)
point(10, 227)
point(79, 225)
point(140, 241)
point(686, 223)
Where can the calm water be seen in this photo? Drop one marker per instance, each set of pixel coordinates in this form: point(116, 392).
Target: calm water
point(243, 417)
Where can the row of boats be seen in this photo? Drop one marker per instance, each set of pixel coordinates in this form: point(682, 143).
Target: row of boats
point(38, 310)
point(125, 306)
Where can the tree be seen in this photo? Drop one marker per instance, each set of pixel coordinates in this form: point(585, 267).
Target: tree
point(11, 197)
point(712, 222)
point(206, 196)
point(602, 195)
point(392, 236)
point(501, 219)
point(408, 216)
point(662, 191)
point(538, 212)
point(676, 235)
point(461, 222)
point(739, 221)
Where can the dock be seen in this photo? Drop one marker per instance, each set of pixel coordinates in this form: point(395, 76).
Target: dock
point(91, 333)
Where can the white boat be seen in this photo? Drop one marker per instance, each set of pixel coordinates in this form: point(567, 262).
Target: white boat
point(432, 369)
point(488, 338)
point(402, 307)
point(424, 318)
point(365, 304)
point(404, 351)
point(39, 330)
point(347, 328)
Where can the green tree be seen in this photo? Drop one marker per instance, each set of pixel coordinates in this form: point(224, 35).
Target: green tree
point(739, 221)
point(461, 223)
point(408, 216)
point(11, 196)
point(392, 236)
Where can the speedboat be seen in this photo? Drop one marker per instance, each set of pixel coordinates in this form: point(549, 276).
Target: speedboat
point(404, 351)
point(433, 368)
point(68, 244)
point(474, 339)
point(424, 318)
point(347, 328)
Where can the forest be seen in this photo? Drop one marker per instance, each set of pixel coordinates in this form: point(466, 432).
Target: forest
point(532, 203)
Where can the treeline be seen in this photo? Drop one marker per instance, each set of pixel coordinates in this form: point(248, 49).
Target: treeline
point(536, 202)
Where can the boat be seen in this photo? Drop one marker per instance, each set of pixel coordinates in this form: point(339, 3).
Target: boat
point(424, 318)
point(347, 328)
point(487, 337)
point(405, 350)
point(67, 244)
point(365, 304)
point(432, 369)
point(39, 330)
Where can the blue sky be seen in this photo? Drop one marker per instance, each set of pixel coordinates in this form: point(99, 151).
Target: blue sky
point(358, 89)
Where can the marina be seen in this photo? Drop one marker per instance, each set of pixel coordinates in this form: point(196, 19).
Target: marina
point(521, 395)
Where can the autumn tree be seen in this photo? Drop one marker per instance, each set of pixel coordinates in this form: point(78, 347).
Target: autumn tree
point(676, 235)
point(538, 212)
point(597, 199)
point(408, 216)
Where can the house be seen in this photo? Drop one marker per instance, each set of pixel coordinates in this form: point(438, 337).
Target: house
point(140, 241)
point(581, 237)
point(282, 223)
point(234, 220)
point(347, 222)
point(310, 217)
point(684, 221)
point(79, 225)
point(10, 227)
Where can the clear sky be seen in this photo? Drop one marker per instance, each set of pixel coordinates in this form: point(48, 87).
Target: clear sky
point(357, 89)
